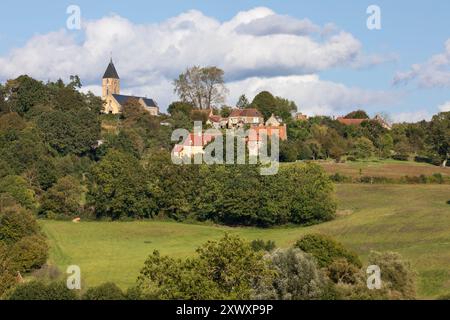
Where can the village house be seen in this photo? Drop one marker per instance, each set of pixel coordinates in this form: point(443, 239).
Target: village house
point(357, 122)
point(114, 101)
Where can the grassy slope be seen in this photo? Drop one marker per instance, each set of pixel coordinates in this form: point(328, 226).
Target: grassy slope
point(413, 220)
point(383, 168)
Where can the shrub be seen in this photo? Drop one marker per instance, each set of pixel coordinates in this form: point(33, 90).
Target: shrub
point(341, 271)
point(401, 157)
point(261, 245)
point(339, 178)
point(326, 250)
point(396, 274)
point(15, 224)
point(106, 291)
point(297, 277)
point(17, 187)
point(63, 198)
point(38, 290)
point(29, 253)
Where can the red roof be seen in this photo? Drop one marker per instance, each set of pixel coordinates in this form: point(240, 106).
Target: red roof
point(349, 122)
point(215, 118)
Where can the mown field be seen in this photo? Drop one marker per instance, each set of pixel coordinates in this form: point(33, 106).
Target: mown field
point(383, 168)
point(411, 219)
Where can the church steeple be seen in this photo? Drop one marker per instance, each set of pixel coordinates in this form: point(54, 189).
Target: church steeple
point(111, 72)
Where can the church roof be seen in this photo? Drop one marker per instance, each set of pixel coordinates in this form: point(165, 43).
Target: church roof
point(111, 72)
point(123, 99)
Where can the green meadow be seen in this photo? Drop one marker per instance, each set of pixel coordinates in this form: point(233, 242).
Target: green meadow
point(413, 220)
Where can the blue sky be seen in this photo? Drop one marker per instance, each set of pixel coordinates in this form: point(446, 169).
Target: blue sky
point(412, 33)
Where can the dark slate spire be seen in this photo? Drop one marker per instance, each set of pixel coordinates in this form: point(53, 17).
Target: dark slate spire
point(111, 72)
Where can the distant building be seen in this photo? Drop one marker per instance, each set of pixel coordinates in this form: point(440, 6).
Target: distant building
point(357, 122)
point(241, 117)
point(274, 121)
point(114, 101)
point(351, 122)
point(300, 117)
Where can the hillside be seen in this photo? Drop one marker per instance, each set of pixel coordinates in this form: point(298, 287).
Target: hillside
point(371, 217)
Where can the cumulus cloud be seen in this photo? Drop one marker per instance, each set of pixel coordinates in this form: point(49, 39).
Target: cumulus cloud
point(312, 95)
point(445, 107)
point(433, 73)
point(411, 117)
point(257, 45)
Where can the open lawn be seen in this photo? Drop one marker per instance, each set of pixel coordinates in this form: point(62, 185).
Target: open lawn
point(413, 220)
point(383, 168)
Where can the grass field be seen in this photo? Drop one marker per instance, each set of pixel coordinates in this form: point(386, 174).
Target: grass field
point(383, 168)
point(411, 219)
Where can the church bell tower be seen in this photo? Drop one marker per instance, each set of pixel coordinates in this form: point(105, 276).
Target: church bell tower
point(110, 86)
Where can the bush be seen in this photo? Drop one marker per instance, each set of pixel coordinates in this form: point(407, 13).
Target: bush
point(63, 198)
point(326, 250)
point(37, 290)
point(15, 224)
point(17, 187)
point(106, 291)
point(297, 277)
point(401, 157)
point(261, 245)
point(396, 274)
point(28, 253)
point(339, 178)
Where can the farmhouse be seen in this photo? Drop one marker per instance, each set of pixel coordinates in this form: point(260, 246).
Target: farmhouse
point(114, 101)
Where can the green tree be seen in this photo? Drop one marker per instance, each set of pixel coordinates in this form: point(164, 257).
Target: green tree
point(358, 114)
point(363, 148)
point(38, 290)
point(18, 188)
point(182, 107)
point(63, 199)
point(118, 188)
point(439, 136)
point(266, 103)
point(106, 291)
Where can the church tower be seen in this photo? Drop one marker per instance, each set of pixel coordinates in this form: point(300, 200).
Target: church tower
point(110, 86)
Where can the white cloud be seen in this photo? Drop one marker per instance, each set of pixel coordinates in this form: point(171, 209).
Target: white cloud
point(312, 95)
point(411, 117)
point(256, 48)
point(433, 73)
point(445, 107)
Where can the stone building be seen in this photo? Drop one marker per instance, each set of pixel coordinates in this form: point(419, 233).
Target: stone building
point(114, 101)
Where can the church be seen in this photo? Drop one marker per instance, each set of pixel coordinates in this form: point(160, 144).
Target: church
point(114, 101)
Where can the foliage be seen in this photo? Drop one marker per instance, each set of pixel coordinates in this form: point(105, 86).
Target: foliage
point(63, 199)
point(358, 114)
point(224, 269)
point(326, 250)
point(38, 290)
point(106, 291)
point(261, 245)
point(18, 188)
point(297, 277)
point(202, 87)
point(118, 188)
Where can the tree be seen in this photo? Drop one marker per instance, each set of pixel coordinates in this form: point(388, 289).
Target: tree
point(243, 102)
point(439, 136)
point(18, 188)
point(363, 148)
point(118, 188)
point(181, 107)
point(106, 291)
point(285, 108)
point(63, 199)
point(297, 277)
point(358, 114)
point(70, 131)
point(266, 103)
point(225, 111)
point(225, 269)
point(202, 87)
point(386, 145)
point(308, 191)
point(38, 290)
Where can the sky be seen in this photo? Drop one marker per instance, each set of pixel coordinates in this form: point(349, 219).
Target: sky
point(320, 54)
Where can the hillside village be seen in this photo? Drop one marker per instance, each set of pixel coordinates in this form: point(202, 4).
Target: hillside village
point(238, 118)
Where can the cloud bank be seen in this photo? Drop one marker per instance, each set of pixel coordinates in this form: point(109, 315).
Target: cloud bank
point(258, 49)
point(432, 74)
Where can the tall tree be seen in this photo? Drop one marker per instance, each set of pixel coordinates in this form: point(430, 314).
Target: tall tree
point(202, 87)
point(439, 136)
point(242, 102)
